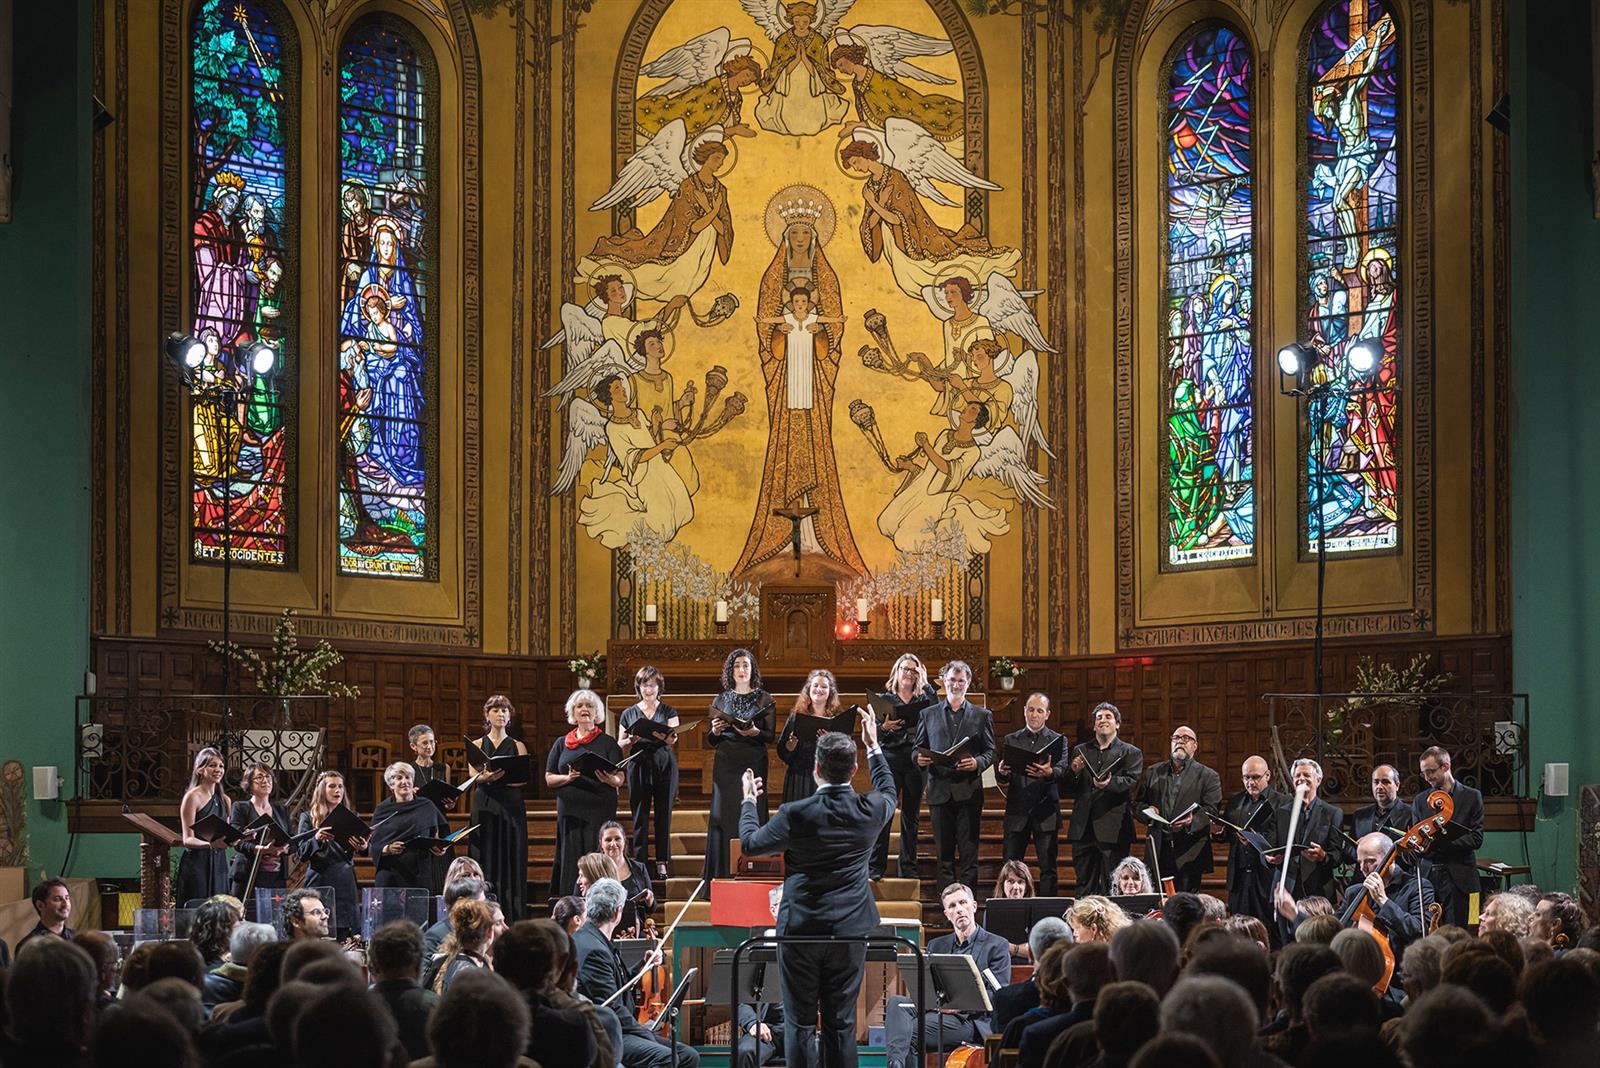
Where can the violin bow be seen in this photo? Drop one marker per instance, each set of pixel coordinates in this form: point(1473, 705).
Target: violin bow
point(1294, 825)
point(661, 940)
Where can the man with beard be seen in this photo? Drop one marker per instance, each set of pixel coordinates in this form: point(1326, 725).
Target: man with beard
point(1452, 860)
point(1172, 789)
point(1102, 776)
point(1255, 808)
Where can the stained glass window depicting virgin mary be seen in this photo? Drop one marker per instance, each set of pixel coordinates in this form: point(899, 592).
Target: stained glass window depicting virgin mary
point(387, 373)
point(1350, 284)
point(1208, 420)
point(243, 266)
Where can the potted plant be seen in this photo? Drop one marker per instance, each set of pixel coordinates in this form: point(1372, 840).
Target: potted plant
point(588, 667)
point(1006, 670)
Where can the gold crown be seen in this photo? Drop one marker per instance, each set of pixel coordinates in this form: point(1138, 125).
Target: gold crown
point(229, 180)
point(800, 209)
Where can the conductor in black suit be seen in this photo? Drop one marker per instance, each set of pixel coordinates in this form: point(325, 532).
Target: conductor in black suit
point(1184, 848)
point(955, 794)
point(1033, 801)
point(1451, 863)
point(826, 840)
point(1102, 776)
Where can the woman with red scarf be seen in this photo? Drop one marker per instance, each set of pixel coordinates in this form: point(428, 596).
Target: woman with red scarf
point(500, 845)
point(584, 800)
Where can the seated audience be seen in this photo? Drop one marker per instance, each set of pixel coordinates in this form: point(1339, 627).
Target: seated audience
point(1479, 969)
point(1174, 1051)
point(1126, 1016)
point(1240, 960)
point(1446, 1028)
point(225, 982)
point(1146, 952)
point(1183, 912)
point(52, 902)
point(1218, 1013)
point(568, 913)
point(345, 1028)
point(1017, 998)
point(179, 998)
point(480, 1023)
point(1251, 928)
point(1507, 912)
point(395, 961)
point(467, 946)
point(50, 1002)
point(103, 950)
point(1070, 979)
point(457, 889)
point(1360, 955)
point(1317, 930)
point(527, 956)
point(1561, 998)
point(245, 1022)
point(213, 925)
point(142, 1033)
point(1340, 1005)
point(1299, 965)
point(1558, 920)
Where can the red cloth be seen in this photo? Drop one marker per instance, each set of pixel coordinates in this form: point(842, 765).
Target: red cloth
point(574, 739)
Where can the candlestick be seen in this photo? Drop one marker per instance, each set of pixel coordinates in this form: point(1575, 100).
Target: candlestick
point(936, 611)
point(722, 612)
point(650, 613)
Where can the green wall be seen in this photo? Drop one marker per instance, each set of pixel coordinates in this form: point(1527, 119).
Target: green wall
point(45, 332)
point(1555, 434)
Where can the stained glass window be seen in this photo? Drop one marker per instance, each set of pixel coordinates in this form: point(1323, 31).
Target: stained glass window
point(1352, 262)
point(1208, 422)
point(241, 436)
point(387, 351)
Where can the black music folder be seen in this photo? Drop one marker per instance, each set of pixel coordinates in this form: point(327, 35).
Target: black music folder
point(1018, 757)
point(516, 765)
point(947, 758)
point(214, 828)
point(424, 842)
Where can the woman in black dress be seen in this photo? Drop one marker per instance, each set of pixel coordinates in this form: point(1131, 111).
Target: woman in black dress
point(203, 867)
point(907, 687)
point(633, 875)
point(425, 769)
point(401, 817)
point(819, 697)
point(501, 842)
point(583, 800)
point(741, 730)
point(272, 871)
point(332, 860)
point(653, 774)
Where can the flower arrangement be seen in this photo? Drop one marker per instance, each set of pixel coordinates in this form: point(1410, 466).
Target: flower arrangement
point(655, 559)
point(911, 573)
point(1003, 667)
point(588, 665)
point(291, 671)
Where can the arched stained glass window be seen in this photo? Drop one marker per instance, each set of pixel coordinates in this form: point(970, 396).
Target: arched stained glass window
point(1351, 266)
point(1207, 413)
point(244, 267)
point(388, 400)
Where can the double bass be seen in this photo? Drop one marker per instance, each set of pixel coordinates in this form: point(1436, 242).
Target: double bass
point(1416, 841)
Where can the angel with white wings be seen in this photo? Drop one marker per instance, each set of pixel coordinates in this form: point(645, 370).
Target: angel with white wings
point(800, 94)
point(901, 163)
point(674, 258)
point(877, 60)
point(703, 77)
point(970, 475)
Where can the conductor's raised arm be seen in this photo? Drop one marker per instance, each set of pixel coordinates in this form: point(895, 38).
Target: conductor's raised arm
point(754, 839)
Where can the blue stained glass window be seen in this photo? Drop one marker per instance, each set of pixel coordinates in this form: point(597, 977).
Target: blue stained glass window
point(1352, 263)
point(1208, 421)
point(387, 349)
point(242, 257)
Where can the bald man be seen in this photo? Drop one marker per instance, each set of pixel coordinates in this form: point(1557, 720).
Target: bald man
point(1399, 898)
point(1183, 844)
point(1387, 813)
point(1250, 877)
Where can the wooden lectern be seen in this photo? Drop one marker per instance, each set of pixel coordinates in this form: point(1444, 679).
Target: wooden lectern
point(156, 840)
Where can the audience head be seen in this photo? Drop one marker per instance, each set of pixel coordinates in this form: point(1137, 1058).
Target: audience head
point(1444, 1028)
point(1535, 951)
point(174, 960)
point(1050, 976)
point(1174, 1050)
point(1316, 905)
point(1507, 912)
point(1217, 1012)
point(603, 903)
point(1130, 876)
point(1479, 969)
point(284, 1010)
point(51, 994)
point(345, 1027)
point(1562, 999)
point(1360, 954)
point(1085, 969)
point(1014, 881)
point(1559, 920)
point(568, 913)
point(472, 926)
point(246, 938)
point(103, 951)
point(52, 900)
point(1300, 965)
point(213, 925)
point(1237, 958)
point(526, 954)
point(1249, 927)
point(1126, 1016)
point(1146, 951)
point(395, 951)
point(480, 1022)
point(1507, 948)
point(1342, 1051)
point(464, 887)
point(1216, 909)
point(1317, 930)
point(1420, 965)
point(1340, 1004)
point(1181, 912)
point(1045, 933)
point(1095, 919)
point(179, 998)
point(303, 954)
point(142, 1033)
point(592, 867)
point(263, 975)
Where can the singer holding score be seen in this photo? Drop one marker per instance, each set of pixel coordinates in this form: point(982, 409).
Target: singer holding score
point(955, 776)
point(1183, 794)
point(586, 788)
point(1102, 775)
point(501, 844)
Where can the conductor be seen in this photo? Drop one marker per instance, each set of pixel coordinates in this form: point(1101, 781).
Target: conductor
point(827, 840)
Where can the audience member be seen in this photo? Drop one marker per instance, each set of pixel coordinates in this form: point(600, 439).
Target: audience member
point(1147, 952)
point(211, 931)
point(1360, 954)
point(180, 998)
point(395, 961)
point(1017, 998)
point(1299, 965)
point(1174, 1051)
point(1126, 1016)
point(1095, 919)
point(52, 901)
point(1559, 920)
point(1561, 998)
point(1367, 1051)
point(103, 950)
point(1183, 912)
point(1506, 946)
point(50, 1001)
point(298, 956)
point(526, 956)
point(1476, 967)
point(1071, 978)
point(288, 1004)
point(466, 946)
point(1507, 912)
point(568, 912)
point(225, 982)
point(346, 1028)
point(480, 1023)
point(1317, 930)
point(1420, 966)
point(463, 888)
point(172, 960)
point(1446, 1028)
point(1240, 960)
point(1250, 927)
point(1218, 1013)
point(1340, 1005)
point(1215, 909)
point(142, 1034)
point(244, 1022)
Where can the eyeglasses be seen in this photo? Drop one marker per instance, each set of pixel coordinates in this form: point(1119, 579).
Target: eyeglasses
point(1254, 778)
point(1184, 738)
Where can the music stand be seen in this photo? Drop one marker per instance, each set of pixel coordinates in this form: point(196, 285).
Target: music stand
point(1013, 918)
point(1137, 906)
point(633, 951)
point(670, 1011)
point(754, 986)
point(956, 985)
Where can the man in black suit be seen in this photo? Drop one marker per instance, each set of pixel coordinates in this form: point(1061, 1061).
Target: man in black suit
point(394, 961)
point(601, 974)
point(947, 1030)
point(955, 794)
point(1318, 844)
point(1183, 848)
point(1400, 898)
point(1102, 776)
point(1033, 802)
point(827, 841)
point(1451, 863)
point(1255, 808)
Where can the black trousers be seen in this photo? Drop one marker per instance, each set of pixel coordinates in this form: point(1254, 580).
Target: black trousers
point(940, 1030)
point(1453, 900)
point(822, 978)
point(908, 780)
point(1045, 845)
point(955, 831)
point(1092, 863)
point(643, 1048)
point(652, 789)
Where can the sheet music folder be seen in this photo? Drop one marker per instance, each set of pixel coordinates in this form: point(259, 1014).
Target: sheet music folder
point(952, 978)
point(516, 766)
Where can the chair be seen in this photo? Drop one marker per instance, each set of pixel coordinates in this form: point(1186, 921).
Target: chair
point(373, 755)
point(452, 755)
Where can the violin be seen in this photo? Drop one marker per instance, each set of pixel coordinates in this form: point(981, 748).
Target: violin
point(1416, 841)
point(655, 986)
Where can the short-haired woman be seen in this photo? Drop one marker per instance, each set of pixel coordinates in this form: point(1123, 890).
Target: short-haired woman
point(819, 697)
point(584, 800)
point(404, 815)
point(272, 871)
point(653, 774)
point(741, 730)
point(425, 769)
point(203, 867)
point(331, 858)
point(500, 814)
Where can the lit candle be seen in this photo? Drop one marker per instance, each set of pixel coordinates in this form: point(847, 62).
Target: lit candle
point(650, 613)
point(861, 608)
point(722, 611)
point(936, 611)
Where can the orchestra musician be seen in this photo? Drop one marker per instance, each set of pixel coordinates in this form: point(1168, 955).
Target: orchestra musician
point(1451, 863)
point(1102, 777)
point(1255, 808)
point(1033, 802)
point(907, 686)
point(1172, 787)
point(955, 793)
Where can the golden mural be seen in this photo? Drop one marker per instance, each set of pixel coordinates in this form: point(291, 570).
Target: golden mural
point(795, 335)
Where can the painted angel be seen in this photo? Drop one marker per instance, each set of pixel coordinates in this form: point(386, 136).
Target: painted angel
point(703, 79)
point(877, 60)
point(974, 319)
point(800, 94)
point(968, 475)
point(674, 258)
point(901, 163)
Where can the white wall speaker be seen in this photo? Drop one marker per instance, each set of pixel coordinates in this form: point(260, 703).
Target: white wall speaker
point(1555, 780)
point(46, 784)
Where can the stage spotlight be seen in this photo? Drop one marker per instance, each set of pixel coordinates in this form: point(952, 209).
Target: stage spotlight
point(1364, 356)
point(263, 357)
point(1293, 359)
point(186, 352)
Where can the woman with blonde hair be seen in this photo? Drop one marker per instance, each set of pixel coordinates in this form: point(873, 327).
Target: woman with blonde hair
point(1131, 877)
point(592, 867)
point(818, 697)
point(501, 842)
point(203, 867)
point(332, 859)
point(584, 799)
point(908, 693)
point(1096, 918)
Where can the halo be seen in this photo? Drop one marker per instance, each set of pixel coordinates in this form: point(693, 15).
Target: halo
point(731, 146)
point(606, 267)
point(818, 212)
point(668, 337)
point(844, 139)
point(765, 61)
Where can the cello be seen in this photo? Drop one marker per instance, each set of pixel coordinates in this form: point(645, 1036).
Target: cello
point(1417, 840)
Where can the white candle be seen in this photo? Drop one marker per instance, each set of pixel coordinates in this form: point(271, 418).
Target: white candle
point(722, 611)
point(861, 608)
point(650, 613)
point(936, 612)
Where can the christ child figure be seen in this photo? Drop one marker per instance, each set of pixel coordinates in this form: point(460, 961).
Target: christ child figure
point(800, 322)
